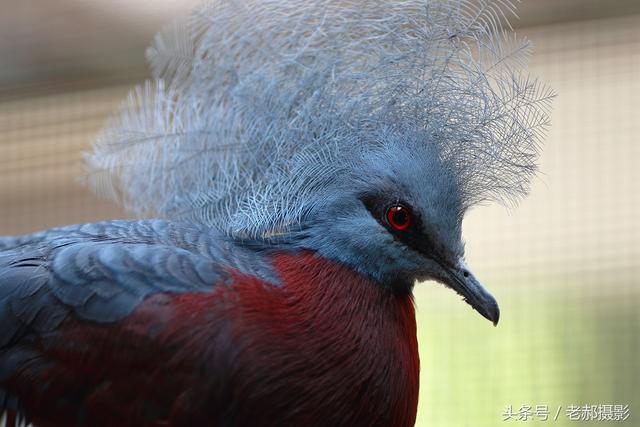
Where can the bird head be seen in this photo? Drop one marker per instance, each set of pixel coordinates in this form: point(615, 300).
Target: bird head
point(362, 131)
point(395, 215)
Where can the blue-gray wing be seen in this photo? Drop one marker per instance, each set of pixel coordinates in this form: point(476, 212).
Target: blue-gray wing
point(101, 272)
point(96, 274)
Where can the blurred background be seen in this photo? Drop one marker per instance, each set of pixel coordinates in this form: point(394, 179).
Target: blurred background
point(564, 265)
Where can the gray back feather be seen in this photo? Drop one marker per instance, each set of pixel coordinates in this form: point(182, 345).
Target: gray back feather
point(257, 106)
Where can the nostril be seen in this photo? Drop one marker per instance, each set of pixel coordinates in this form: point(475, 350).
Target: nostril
point(466, 273)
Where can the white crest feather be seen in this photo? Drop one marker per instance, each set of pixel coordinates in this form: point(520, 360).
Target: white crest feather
point(256, 104)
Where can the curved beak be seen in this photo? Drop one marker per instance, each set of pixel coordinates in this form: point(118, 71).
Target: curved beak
point(460, 279)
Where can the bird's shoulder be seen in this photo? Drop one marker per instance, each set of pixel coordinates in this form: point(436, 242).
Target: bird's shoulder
point(72, 297)
point(102, 271)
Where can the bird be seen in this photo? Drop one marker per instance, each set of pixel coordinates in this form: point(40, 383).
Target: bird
point(292, 169)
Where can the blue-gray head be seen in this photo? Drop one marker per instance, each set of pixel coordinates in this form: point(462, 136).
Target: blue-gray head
point(361, 130)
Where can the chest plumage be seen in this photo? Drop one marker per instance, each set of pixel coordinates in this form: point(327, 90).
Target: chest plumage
point(326, 346)
point(333, 348)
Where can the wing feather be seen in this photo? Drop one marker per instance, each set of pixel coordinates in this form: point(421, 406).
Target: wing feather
point(91, 278)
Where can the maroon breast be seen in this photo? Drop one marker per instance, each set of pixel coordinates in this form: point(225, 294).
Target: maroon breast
point(334, 348)
point(325, 347)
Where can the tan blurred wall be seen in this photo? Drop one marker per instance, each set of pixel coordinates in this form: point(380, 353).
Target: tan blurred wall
point(41, 144)
point(581, 221)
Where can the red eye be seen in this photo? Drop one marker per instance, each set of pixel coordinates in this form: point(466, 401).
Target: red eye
point(399, 217)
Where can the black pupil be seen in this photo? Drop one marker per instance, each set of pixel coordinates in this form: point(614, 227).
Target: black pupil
point(400, 217)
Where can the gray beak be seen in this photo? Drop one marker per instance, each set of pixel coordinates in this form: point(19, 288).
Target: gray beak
point(461, 280)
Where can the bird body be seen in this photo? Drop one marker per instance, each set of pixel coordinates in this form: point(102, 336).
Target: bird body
point(309, 162)
point(295, 343)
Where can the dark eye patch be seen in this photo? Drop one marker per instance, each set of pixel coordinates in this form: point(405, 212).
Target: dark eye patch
point(412, 235)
